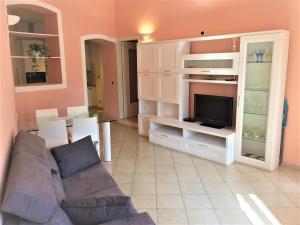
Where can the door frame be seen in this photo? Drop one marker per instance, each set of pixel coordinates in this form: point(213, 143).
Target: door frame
point(82, 44)
point(120, 73)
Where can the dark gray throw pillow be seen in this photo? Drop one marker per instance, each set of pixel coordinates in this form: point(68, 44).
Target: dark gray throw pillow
point(72, 158)
point(93, 211)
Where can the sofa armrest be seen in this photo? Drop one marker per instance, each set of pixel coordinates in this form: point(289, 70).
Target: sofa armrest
point(137, 219)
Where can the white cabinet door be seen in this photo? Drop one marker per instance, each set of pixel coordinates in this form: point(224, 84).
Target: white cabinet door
point(166, 57)
point(145, 60)
point(261, 94)
point(147, 86)
point(168, 88)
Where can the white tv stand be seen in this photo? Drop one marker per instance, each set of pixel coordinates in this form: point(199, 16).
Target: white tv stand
point(192, 138)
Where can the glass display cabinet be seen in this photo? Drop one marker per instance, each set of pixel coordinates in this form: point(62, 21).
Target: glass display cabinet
point(261, 88)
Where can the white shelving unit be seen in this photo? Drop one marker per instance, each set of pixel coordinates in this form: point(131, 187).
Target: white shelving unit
point(261, 91)
point(261, 86)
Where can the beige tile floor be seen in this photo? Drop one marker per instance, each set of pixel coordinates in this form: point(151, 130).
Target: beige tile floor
point(176, 188)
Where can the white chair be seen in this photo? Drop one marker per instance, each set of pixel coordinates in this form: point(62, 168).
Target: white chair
point(78, 111)
point(83, 127)
point(46, 114)
point(54, 132)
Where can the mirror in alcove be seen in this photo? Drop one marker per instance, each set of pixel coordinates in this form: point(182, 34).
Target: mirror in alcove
point(35, 47)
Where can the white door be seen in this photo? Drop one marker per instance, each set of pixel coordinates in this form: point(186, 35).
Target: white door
point(146, 54)
point(261, 94)
point(168, 85)
point(129, 65)
point(147, 86)
point(167, 57)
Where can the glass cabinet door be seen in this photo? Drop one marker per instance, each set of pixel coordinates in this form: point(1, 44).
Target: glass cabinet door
point(256, 99)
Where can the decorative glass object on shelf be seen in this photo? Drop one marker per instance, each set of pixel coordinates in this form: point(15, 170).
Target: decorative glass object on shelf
point(256, 99)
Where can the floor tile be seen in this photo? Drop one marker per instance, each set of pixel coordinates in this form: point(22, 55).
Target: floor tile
point(166, 177)
point(144, 200)
point(216, 188)
point(276, 200)
point(185, 168)
point(202, 216)
point(295, 198)
point(196, 201)
point(264, 187)
point(206, 168)
point(123, 177)
point(165, 168)
point(232, 216)
point(188, 177)
point(143, 188)
point(167, 188)
point(240, 187)
point(143, 177)
point(191, 188)
point(169, 201)
point(171, 216)
point(210, 177)
point(288, 216)
point(223, 201)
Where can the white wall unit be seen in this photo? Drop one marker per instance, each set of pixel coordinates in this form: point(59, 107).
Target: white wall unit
point(168, 87)
point(261, 88)
point(261, 66)
point(211, 63)
point(147, 85)
point(168, 56)
point(146, 58)
point(210, 143)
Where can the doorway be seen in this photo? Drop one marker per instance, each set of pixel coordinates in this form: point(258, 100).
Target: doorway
point(129, 79)
point(94, 75)
point(103, 75)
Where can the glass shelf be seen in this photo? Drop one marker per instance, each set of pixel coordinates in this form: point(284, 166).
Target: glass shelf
point(253, 113)
point(256, 89)
point(252, 138)
point(252, 156)
point(267, 62)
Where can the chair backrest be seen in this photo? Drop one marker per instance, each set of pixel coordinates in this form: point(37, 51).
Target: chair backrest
point(83, 127)
point(46, 114)
point(78, 111)
point(54, 132)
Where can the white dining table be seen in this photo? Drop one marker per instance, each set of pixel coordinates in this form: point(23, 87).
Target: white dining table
point(103, 119)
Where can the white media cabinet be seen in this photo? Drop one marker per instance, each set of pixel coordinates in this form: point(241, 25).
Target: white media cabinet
point(257, 67)
point(192, 138)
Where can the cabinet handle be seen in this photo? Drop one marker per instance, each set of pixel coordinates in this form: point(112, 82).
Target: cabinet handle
point(202, 145)
point(163, 135)
point(205, 71)
point(167, 71)
point(166, 75)
point(146, 70)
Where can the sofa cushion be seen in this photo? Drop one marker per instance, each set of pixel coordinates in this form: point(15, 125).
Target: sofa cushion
point(29, 193)
point(30, 143)
point(137, 219)
point(91, 211)
point(88, 181)
point(59, 218)
point(79, 155)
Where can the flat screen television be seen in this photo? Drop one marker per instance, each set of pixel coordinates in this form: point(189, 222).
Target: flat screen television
point(213, 111)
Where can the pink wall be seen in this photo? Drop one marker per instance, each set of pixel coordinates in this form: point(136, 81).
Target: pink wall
point(7, 98)
point(79, 18)
point(183, 19)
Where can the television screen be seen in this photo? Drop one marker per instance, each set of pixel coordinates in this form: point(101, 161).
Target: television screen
point(213, 111)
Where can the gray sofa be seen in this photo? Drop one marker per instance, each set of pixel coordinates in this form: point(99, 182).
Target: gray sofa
point(34, 189)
